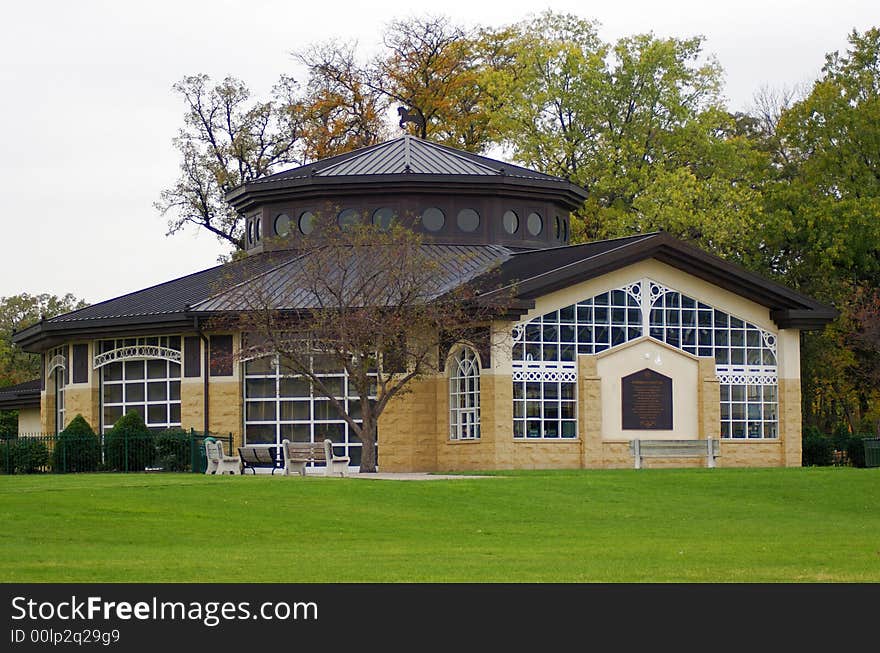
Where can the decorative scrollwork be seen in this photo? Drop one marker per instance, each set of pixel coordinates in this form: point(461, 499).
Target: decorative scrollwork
point(57, 362)
point(137, 352)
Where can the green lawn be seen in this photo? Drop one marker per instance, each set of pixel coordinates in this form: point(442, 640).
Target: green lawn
point(721, 525)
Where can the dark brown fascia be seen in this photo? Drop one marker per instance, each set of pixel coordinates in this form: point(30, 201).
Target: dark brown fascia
point(789, 309)
point(45, 335)
point(21, 399)
point(248, 196)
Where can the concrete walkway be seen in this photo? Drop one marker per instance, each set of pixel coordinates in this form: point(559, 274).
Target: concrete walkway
point(413, 476)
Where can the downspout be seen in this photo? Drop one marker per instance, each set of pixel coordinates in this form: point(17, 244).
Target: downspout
point(207, 367)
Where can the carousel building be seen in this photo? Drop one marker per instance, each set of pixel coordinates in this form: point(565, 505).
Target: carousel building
point(606, 344)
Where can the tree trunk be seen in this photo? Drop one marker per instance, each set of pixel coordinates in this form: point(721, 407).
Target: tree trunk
point(368, 448)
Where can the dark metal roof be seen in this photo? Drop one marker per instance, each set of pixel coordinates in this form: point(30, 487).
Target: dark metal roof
point(22, 395)
point(282, 287)
point(407, 155)
point(275, 277)
point(536, 273)
point(405, 164)
point(165, 303)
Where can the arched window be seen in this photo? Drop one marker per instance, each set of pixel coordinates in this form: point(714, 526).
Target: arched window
point(464, 395)
point(57, 372)
point(745, 359)
point(545, 352)
point(140, 374)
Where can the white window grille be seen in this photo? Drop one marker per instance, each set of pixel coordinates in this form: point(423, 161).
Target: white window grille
point(140, 374)
point(545, 352)
point(464, 395)
point(280, 405)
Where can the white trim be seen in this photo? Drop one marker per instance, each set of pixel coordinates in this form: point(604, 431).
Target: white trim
point(137, 352)
point(57, 362)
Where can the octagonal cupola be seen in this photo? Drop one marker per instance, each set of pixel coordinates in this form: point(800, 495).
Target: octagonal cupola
point(448, 195)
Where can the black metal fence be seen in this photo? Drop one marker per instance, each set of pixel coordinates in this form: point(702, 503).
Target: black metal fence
point(174, 450)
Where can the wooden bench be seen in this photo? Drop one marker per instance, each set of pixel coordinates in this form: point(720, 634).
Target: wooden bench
point(708, 449)
point(259, 455)
point(297, 456)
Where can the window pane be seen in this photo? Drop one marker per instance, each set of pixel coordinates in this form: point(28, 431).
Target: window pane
point(113, 393)
point(134, 370)
point(157, 369)
point(157, 391)
point(134, 392)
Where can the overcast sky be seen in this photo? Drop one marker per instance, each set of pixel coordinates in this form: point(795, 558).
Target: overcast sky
point(87, 112)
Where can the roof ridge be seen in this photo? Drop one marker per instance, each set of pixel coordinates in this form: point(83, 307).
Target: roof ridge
point(592, 242)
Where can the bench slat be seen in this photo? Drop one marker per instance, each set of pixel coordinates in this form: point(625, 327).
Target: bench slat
point(675, 449)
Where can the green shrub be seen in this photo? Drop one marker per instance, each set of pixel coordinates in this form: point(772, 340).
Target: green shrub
point(129, 446)
point(173, 450)
point(817, 449)
point(23, 456)
point(77, 449)
point(855, 450)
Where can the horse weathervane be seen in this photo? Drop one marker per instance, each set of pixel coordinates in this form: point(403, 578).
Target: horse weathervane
point(407, 116)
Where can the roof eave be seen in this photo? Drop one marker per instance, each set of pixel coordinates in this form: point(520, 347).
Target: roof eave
point(248, 196)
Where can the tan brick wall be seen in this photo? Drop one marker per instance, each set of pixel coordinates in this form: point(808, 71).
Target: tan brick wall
point(224, 406)
point(409, 428)
point(790, 426)
point(757, 453)
point(192, 404)
point(590, 412)
point(709, 401)
point(47, 411)
point(82, 399)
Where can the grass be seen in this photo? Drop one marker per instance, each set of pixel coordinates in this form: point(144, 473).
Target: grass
point(698, 525)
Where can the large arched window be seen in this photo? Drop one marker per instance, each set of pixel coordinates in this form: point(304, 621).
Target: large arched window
point(140, 374)
point(545, 353)
point(745, 359)
point(464, 394)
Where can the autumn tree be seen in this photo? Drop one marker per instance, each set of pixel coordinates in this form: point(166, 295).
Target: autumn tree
point(373, 302)
point(228, 139)
point(341, 110)
point(435, 71)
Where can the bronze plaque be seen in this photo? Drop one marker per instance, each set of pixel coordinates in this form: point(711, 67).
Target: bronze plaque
point(646, 401)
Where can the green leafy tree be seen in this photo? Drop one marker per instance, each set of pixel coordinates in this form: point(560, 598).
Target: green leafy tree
point(228, 139)
point(18, 312)
point(640, 124)
point(826, 226)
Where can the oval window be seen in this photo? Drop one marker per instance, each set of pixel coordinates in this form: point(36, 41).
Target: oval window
point(534, 224)
point(282, 225)
point(468, 220)
point(307, 222)
point(565, 230)
point(382, 218)
point(250, 232)
point(257, 224)
point(510, 221)
point(433, 219)
point(347, 219)
point(558, 228)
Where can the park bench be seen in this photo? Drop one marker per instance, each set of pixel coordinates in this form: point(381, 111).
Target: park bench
point(708, 449)
point(259, 455)
point(219, 462)
point(298, 455)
